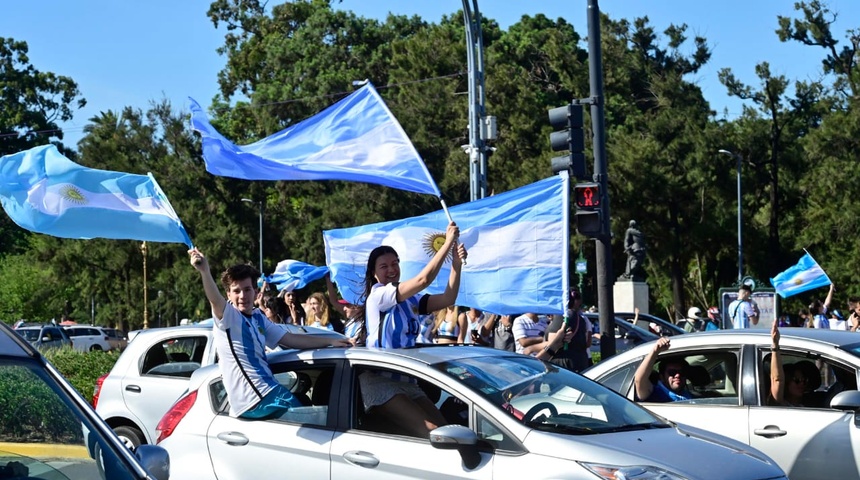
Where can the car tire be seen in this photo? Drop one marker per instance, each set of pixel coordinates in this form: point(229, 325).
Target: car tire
point(96, 348)
point(131, 437)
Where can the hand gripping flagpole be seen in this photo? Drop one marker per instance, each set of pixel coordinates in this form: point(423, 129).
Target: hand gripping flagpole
point(448, 214)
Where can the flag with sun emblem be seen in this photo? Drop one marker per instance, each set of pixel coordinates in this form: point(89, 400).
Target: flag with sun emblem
point(806, 275)
point(517, 243)
point(45, 192)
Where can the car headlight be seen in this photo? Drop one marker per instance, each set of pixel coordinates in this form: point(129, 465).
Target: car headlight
point(631, 472)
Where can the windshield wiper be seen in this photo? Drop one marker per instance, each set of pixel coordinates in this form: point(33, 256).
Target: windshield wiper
point(635, 426)
point(561, 428)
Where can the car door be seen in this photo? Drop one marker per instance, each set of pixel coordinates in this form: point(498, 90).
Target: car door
point(808, 441)
point(713, 379)
point(296, 445)
point(363, 450)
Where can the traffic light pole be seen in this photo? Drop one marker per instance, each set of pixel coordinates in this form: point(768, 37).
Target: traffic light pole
point(605, 302)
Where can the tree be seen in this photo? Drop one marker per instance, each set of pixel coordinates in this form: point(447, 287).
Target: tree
point(32, 103)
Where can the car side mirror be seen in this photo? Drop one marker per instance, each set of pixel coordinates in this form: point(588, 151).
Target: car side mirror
point(46, 338)
point(155, 460)
point(847, 401)
point(460, 438)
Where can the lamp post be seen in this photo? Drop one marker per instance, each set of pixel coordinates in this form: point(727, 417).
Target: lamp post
point(740, 222)
point(145, 296)
point(260, 204)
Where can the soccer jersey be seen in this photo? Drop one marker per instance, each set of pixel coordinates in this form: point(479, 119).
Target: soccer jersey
point(353, 328)
point(740, 313)
point(398, 321)
point(240, 341)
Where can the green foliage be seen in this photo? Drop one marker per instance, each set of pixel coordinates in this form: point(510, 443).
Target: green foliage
point(286, 62)
point(30, 410)
point(82, 369)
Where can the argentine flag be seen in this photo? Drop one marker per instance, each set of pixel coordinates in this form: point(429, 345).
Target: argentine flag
point(45, 192)
point(292, 275)
point(357, 140)
point(517, 243)
point(806, 275)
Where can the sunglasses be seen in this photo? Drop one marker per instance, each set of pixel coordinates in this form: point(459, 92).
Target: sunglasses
point(802, 380)
point(674, 371)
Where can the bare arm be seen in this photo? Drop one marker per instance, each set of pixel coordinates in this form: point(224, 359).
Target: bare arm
point(332, 297)
point(489, 324)
point(303, 341)
point(448, 297)
point(642, 379)
point(829, 297)
point(463, 323)
point(216, 300)
point(554, 342)
point(777, 377)
point(412, 286)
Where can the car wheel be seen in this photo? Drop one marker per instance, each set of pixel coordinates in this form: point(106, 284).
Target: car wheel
point(96, 348)
point(130, 436)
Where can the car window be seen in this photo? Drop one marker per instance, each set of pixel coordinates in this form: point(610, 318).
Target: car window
point(711, 375)
point(491, 432)
point(621, 379)
point(174, 357)
point(371, 384)
point(829, 376)
point(43, 434)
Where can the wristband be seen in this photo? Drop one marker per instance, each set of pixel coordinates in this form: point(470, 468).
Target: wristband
point(550, 351)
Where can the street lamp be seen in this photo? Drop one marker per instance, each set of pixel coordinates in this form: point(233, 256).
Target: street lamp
point(740, 223)
point(260, 204)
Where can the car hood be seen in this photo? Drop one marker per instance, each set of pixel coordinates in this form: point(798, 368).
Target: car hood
point(688, 451)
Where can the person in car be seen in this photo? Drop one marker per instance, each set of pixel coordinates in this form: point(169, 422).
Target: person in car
point(392, 307)
point(672, 383)
point(241, 333)
point(787, 383)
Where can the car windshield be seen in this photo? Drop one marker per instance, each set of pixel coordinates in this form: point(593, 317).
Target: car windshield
point(546, 397)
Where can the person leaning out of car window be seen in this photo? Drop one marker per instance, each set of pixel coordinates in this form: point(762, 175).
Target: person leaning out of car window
point(788, 383)
point(671, 385)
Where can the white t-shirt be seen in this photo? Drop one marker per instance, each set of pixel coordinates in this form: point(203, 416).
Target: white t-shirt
point(240, 342)
point(525, 327)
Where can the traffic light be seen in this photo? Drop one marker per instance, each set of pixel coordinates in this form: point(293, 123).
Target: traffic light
point(572, 139)
point(587, 198)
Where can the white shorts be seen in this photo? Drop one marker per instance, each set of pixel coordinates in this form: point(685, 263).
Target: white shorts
point(377, 389)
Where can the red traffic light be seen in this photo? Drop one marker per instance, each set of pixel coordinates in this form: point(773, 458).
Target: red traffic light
point(587, 195)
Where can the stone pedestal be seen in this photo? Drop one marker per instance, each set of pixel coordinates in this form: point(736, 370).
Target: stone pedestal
point(628, 294)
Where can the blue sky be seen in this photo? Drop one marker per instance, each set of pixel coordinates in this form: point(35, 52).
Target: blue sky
point(129, 53)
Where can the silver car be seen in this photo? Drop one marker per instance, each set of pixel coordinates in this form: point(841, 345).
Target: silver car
point(509, 417)
point(729, 375)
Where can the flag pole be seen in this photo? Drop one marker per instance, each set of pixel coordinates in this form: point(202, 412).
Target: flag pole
point(448, 214)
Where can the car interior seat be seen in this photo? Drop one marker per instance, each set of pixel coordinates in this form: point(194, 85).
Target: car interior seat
point(154, 357)
point(699, 378)
point(300, 388)
point(322, 388)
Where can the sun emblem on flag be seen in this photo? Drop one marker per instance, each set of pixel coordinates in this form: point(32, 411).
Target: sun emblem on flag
point(798, 281)
point(73, 194)
point(433, 242)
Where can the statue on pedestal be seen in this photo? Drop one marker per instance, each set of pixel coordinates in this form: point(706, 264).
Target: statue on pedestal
point(634, 247)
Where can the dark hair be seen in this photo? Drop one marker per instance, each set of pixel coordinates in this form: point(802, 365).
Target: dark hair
point(237, 273)
point(815, 307)
point(664, 364)
point(746, 287)
point(277, 305)
point(369, 279)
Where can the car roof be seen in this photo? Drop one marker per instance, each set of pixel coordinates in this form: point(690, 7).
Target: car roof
point(13, 345)
point(426, 354)
point(644, 333)
point(837, 338)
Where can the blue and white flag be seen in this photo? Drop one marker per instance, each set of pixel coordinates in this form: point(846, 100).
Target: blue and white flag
point(292, 275)
point(806, 275)
point(45, 192)
point(516, 240)
point(357, 139)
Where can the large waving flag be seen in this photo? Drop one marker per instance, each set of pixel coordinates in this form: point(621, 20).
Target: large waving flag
point(45, 192)
point(517, 249)
point(292, 275)
point(805, 275)
point(357, 139)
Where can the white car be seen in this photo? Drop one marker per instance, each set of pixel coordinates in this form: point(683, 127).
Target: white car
point(509, 417)
point(152, 372)
point(729, 375)
point(88, 338)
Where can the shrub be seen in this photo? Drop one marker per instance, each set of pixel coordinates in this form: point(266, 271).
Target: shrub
point(82, 369)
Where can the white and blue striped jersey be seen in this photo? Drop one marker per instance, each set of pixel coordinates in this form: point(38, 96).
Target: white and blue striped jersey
point(240, 342)
point(400, 325)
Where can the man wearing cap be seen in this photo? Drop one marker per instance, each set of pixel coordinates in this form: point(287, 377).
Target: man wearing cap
point(742, 311)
